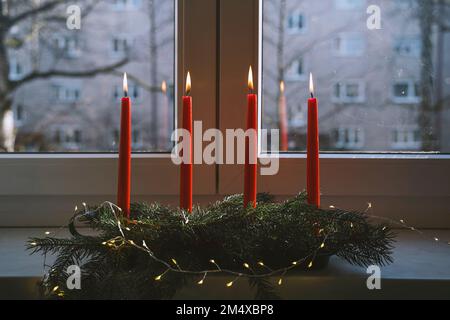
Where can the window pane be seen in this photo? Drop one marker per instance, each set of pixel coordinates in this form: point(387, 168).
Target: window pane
point(384, 89)
point(64, 84)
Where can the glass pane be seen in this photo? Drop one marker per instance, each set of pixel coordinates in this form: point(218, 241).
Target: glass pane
point(381, 86)
point(66, 62)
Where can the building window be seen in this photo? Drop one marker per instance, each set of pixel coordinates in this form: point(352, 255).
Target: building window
point(349, 45)
point(349, 138)
point(349, 4)
point(121, 5)
point(121, 44)
point(19, 114)
point(67, 46)
point(296, 71)
point(68, 137)
point(66, 93)
point(349, 92)
point(406, 91)
point(406, 139)
point(408, 46)
point(136, 138)
point(15, 69)
point(296, 23)
point(134, 92)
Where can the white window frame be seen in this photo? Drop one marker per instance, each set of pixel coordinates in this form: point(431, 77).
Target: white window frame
point(42, 189)
point(399, 186)
point(410, 99)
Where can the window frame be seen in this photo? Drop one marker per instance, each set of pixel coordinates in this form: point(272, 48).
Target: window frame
point(42, 189)
point(398, 185)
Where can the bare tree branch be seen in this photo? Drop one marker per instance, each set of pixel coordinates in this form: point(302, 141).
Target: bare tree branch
point(64, 73)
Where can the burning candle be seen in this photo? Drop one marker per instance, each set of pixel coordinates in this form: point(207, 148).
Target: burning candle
point(251, 147)
point(186, 168)
point(124, 179)
point(313, 168)
point(283, 118)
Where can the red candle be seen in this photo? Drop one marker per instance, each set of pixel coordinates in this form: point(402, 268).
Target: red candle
point(186, 168)
point(283, 119)
point(124, 179)
point(313, 169)
point(251, 146)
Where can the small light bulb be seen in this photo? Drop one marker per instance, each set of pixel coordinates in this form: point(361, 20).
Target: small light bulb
point(200, 282)
point(33, 244)
point(212, 261)
point(436, 239)
point(322, 246)
point(310, 265)
point(47, 232)
point(246, 265)
point(280, 282)
point(229, 284)
point(402, 221)
point(261, 263)
point(55, 288)
point(158, 277)
point(174, 261)
point(294, 263)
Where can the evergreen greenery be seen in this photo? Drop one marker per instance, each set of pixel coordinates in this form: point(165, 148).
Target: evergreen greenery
point(125, 257)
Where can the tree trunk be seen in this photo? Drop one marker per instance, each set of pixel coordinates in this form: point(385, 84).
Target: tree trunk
point(153, 76)
point(5, 93)
point(426, 112)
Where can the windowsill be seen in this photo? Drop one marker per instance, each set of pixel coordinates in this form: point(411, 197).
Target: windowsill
point(421, 270)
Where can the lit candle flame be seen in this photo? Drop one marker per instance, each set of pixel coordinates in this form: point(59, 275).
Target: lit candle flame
point(164, 86)
point(282, 87)
point(188, 84)
point(125, 84)
point(311, 85)
point(250, 79)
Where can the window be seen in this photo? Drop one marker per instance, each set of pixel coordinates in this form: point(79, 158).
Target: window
point(15, 69)
point(406, 91)
point(139, 40)
point(121, 44)
point(67, 93)
point(349, 4)
point(67, 46)
point(19, 114)
point(406, 139)
point(366, 79)
point(121, 5)
point(296, 22)
point(296, 71)
point(349, 45)
point(408, 46)
point(349, 138)
point(70, 138)
point(349, 92)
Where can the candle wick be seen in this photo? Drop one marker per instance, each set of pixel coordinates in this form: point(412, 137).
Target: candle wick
point(125, 94)
point(312, 95)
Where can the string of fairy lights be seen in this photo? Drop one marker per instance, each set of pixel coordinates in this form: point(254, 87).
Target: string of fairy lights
point(173, 266)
